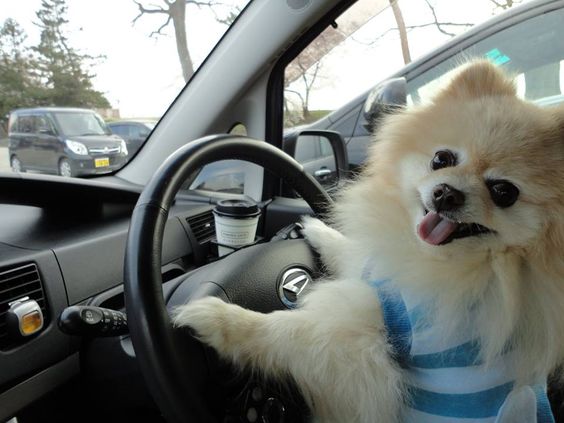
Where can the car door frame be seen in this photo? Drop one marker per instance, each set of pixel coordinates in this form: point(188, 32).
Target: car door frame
point(48, 145)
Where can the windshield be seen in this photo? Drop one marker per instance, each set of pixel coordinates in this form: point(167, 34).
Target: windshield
point(77, 123)
point(369, 42)
point(121, 61)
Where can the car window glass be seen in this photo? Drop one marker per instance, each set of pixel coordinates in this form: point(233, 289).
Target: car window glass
point(135, 131)
point(117, 129)
point(325, 147)
point(145, 129)
point(124, 60)
point(332, 69)
point(26, 124)
point(361, 128)
point(370, 42)
point(125, 130)
point(42, 123)
point(13, 124)
point(79, 123)
point(532, 50)
point(346, 125)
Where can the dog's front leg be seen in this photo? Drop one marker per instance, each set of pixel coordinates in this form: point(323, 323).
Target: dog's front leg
point(247, 338)
point(237, 334)
point(334, 347)
point(328, 242)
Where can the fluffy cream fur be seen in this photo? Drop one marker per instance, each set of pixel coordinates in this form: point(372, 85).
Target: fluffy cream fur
point(513, 280)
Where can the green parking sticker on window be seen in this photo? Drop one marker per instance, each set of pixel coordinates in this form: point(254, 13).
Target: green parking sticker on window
point(497, 57)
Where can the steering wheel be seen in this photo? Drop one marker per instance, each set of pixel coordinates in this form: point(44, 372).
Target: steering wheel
point(173, 364)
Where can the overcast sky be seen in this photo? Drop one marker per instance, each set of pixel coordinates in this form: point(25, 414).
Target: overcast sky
point(141, 75)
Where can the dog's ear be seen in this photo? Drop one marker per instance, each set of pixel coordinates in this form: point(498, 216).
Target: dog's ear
point(479, 79)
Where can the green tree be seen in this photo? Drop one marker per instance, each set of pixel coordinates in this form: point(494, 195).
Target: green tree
point(60, 66)
point(19, 85)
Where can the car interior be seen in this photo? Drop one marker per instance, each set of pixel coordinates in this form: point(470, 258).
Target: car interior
point(137, 242)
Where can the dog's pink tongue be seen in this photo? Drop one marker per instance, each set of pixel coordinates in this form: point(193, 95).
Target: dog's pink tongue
point(434, 229)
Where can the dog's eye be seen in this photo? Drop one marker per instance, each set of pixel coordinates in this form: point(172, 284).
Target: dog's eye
point(443, 158)
point(504, 193)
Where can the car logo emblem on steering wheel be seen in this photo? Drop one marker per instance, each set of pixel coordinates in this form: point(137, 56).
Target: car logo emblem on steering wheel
point(292, 284)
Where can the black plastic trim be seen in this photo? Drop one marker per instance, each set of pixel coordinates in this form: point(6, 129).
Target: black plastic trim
point(30, 390)
point(54, 191)
point(275, 90)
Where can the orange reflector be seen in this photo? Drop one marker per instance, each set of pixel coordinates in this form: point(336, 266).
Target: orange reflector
point(31, 323)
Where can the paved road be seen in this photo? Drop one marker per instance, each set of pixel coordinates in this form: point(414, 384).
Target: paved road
point(4, 161)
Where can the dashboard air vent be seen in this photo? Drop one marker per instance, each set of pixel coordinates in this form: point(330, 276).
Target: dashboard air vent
point(202, 226)
point(17, 282)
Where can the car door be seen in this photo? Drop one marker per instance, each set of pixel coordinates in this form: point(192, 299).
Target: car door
point(46, 144)
point(26, 136)
point(316, 156)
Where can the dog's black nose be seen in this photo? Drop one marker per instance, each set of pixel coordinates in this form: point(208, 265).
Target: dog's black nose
point(447, 198)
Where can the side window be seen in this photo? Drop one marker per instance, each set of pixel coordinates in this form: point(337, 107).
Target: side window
point(134, 131)
point(116, 129)
point(124, 130)
point(329, 76)
point(13, 124)
point(325, 147)
point(42, 124)
point(346, 125)
point(325, 85)
point(26, 124)
point(531, 50)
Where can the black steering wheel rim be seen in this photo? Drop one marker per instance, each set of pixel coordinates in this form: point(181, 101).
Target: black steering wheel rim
point(151, 331)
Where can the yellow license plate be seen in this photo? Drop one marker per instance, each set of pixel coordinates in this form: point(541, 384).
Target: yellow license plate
point(103, 162)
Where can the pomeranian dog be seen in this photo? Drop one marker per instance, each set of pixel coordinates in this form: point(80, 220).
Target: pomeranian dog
point(446, 294)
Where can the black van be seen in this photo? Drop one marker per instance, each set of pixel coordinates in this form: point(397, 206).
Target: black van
point(65, 141)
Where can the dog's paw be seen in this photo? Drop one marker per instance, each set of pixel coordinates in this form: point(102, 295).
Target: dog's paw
point(319, 235)
point(208, 317)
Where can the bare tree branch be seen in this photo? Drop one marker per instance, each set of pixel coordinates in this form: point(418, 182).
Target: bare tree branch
point(296, 93)
point(438, 24)
point(437, 21)
point(409, 28)
point(163, 26)
point(504, 5)
point(402, 31)
point(176, 13)
point(507, 4)
point(143, 10)
point(210, 3)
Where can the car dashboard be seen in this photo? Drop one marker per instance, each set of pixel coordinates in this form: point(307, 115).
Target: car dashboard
point(62, 242)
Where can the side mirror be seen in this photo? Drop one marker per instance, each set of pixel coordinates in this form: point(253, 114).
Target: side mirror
point(144, 134)
point(323, 154)
point(387, 97)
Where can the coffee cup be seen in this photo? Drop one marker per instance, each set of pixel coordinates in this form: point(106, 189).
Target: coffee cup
point(235, 224)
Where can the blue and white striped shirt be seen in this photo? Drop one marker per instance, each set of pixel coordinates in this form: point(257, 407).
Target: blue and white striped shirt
point(446, 380)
